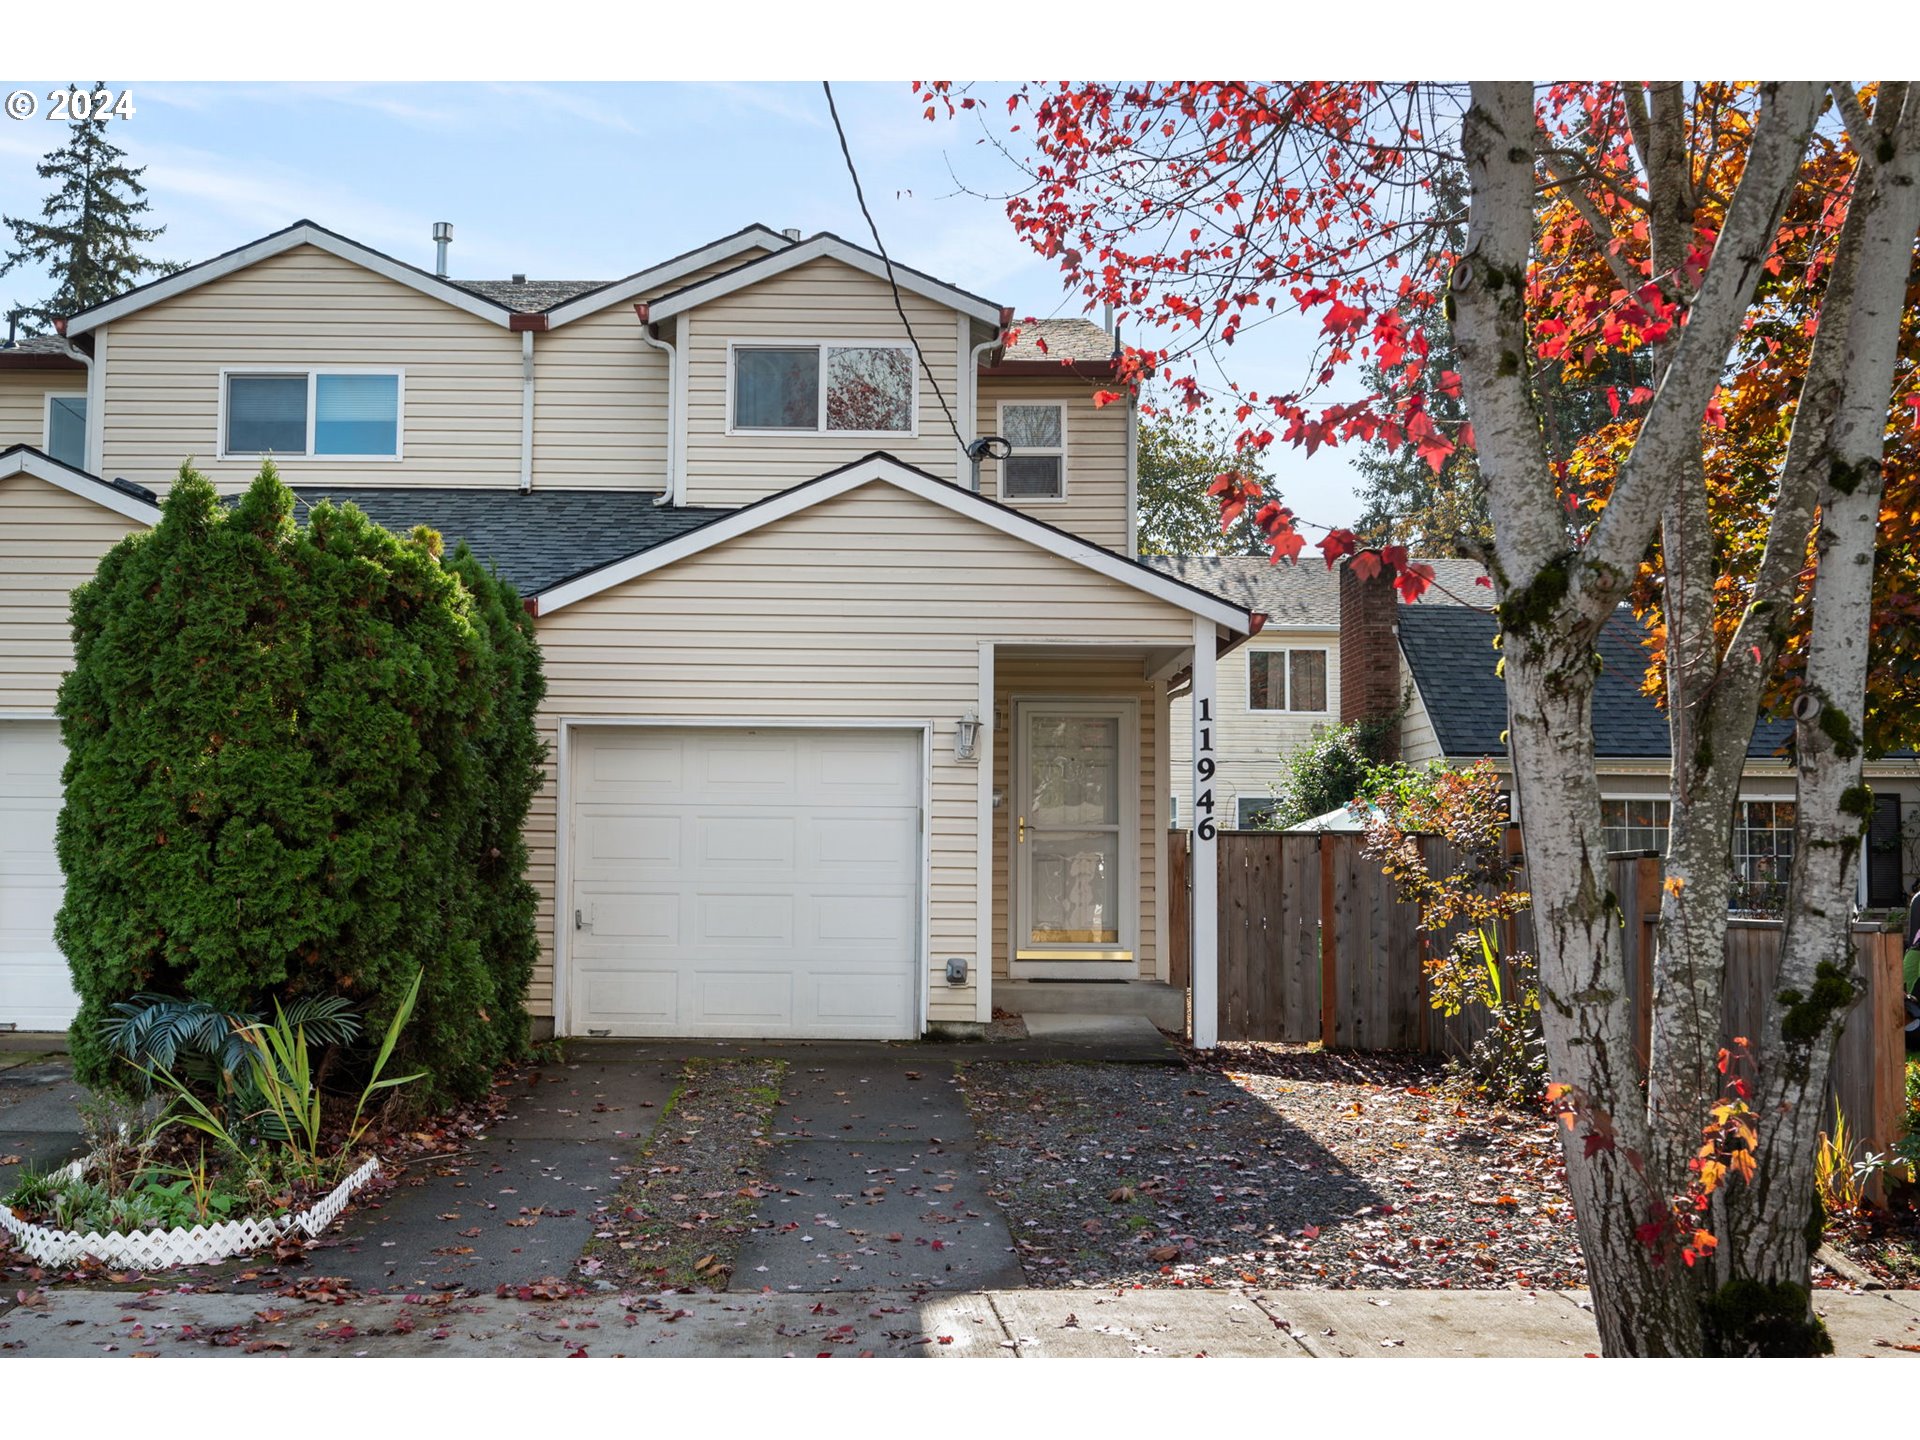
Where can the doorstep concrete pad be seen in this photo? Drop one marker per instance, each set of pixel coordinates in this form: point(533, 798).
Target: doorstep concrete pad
point(874, 1215)
point(1457, 1323)
point(1860, 1329)
point(1122, 1324)
point(1115, 1037)
point(39, 1115)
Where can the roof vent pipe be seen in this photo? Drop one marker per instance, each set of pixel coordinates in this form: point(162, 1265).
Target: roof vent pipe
point(793, 235)
point(442, 237)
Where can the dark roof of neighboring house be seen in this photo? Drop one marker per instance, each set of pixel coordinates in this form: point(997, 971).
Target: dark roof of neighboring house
point(530, 296)
point(1060, 340)
point(37, 352)
point(534, 539)
point(1450, 651)
point(1306, 594)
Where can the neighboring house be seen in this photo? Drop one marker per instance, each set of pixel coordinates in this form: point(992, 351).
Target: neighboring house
point(841, 746)
point(1460, 714)
point(1284, 684)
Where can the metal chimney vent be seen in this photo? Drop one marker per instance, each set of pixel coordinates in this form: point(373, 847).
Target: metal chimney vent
point(442, 237)
point(519, 279)
point(793, 235)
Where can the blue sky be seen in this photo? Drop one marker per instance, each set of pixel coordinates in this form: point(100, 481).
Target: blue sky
point(591, 181)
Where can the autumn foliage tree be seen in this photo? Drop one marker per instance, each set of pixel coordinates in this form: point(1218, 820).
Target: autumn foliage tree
point(1729, 269)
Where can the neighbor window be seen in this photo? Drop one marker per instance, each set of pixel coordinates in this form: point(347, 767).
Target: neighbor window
point(824, 389)
point(67, 429)
point(1636, 825)
point(1256, 814)
point(345, 414)
point(1287, 680)
point(1037, 468)
point(1762, 853)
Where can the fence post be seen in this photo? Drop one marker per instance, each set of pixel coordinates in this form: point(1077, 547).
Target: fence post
point(1329, 949)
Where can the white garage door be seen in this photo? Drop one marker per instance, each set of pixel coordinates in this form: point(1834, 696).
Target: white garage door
point(745, 883)
point(36, 990)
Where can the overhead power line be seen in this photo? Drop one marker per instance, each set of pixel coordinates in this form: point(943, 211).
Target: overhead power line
point(861, 195)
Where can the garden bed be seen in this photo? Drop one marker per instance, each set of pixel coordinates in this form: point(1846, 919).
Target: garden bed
point(1276, 1166)
point(155, 1249)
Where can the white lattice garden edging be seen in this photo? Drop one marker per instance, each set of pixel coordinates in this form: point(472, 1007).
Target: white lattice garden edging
point(155, 1249)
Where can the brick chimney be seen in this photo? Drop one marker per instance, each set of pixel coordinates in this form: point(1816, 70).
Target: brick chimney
point(1369, 649)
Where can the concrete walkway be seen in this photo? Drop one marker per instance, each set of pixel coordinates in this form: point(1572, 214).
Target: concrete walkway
point(1004, 1324)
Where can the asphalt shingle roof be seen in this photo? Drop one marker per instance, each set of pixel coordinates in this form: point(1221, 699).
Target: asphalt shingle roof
point(530, 297)
point(535, 540)
point(1060, 340)
point(37, 345)
point(1450, 651)
point(1306, 594)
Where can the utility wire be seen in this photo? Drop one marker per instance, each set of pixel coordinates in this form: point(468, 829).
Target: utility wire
point(874, 230)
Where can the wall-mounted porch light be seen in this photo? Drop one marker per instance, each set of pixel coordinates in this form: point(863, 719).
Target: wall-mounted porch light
point(966, 737)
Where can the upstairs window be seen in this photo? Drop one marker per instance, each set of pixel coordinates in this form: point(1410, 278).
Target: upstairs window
point(1037, 468)
point(66, 437)
point(1637, 825)
point(823, 389)
point(1294, 680)
point(334, 414)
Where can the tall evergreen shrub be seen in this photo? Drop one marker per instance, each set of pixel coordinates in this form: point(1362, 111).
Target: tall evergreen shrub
point(299, 759)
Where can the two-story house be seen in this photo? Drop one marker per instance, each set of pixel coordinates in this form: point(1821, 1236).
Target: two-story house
point(851, 734)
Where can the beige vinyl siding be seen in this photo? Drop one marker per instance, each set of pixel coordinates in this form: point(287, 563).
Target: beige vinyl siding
point(462, 408)
point(1418, 741)
point(23, 402)
point(870, 607)
point(50, 542)
point(1122, 676)
point(822, 300)
point(600, 399)
point(1096, 503)
point(1250, 742)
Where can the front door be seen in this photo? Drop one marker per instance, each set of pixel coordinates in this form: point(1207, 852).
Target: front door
point(1075, 840)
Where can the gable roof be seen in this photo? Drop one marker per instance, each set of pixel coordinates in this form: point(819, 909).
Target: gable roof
point(824, 246)
point(1449, 649)
point(497, 301)
point(123, 498)
point(534, 538)
point(884, 468)
point(1304, 595)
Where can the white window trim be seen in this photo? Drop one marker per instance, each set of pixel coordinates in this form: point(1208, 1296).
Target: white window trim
point(1288, 651)
point(1618, 798)
point(820, 410)
point(1000, 428)
point(46, 424)
point(313, 372)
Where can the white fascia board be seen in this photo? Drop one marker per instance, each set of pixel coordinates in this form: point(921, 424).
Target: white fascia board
point(940, 492)
point(823, 247)
point(78, 482)
point(278, 244)
point(756, 237)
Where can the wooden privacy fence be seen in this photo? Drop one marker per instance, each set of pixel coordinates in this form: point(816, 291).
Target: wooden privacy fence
point(1316, 944)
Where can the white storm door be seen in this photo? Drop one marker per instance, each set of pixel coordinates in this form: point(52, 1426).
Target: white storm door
point(750, 883)
point(1076, 841)
point(36, 987)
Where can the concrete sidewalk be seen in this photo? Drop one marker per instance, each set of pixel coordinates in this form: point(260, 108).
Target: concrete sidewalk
point(1008, 1324)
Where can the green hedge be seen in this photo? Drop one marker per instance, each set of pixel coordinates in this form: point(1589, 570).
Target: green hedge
point(299, 760)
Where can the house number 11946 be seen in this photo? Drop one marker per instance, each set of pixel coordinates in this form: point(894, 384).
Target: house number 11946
point(1203, 768)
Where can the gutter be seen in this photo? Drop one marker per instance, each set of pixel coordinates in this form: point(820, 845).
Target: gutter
point(649, 332)
point(973, 387)
point(526, 409)
point(90, 456)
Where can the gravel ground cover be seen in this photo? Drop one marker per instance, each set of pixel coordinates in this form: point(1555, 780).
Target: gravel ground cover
point(1270, 1165)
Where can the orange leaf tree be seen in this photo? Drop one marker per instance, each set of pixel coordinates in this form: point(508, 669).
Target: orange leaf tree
point(1726, 269)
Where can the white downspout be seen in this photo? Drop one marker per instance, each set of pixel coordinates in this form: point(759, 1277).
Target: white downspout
point(90, 451)
point(670, 495)
point(526, 411)
point(972, 400)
